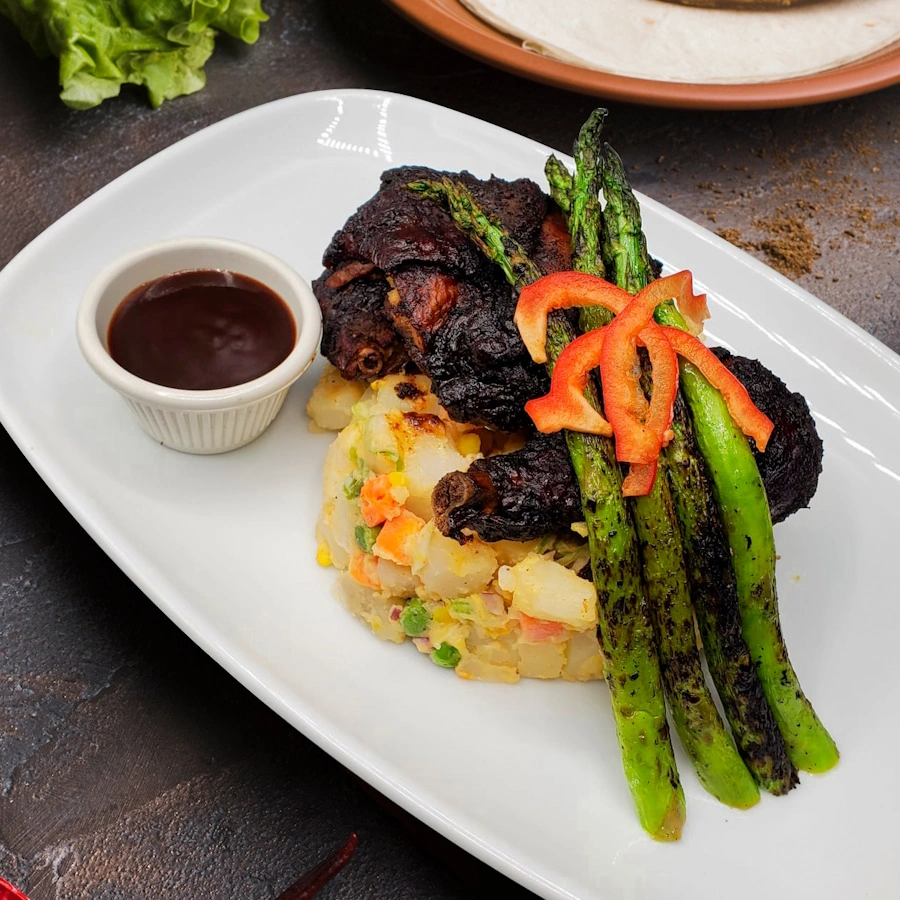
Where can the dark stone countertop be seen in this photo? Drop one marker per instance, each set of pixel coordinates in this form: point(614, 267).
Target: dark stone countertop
point(131, 766)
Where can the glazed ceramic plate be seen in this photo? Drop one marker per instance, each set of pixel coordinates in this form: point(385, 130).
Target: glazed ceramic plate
point(450, 22)
point(526, 777)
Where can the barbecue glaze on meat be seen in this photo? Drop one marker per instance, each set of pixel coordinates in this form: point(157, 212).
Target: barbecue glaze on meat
point(515, 496)
point(405, 289)
point(403, 285)
point(357, 334)
point(519, 495)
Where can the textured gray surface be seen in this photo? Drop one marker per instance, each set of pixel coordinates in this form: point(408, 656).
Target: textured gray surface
point(130, 765)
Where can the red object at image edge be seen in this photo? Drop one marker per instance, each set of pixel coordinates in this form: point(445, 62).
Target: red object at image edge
point(8, 892)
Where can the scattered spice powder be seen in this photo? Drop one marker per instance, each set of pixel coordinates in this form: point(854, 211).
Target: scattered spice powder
point(734, 236)
point(837, 200)
point(789, 244)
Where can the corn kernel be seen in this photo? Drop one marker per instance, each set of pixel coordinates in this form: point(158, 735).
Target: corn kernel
point(323, 555)
point(397, 479)
point(441, 615)
point(469, 444)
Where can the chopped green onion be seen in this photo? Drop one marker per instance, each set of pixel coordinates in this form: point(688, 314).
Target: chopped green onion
point(366, 537)
point(415, 618)
point(461, 607)
point(446, 655)
point(352, 486)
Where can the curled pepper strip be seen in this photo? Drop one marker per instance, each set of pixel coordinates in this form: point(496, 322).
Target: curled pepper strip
point(561, 290)
point(750, 419)
point(640, 432)
point(640, 428)
point(565, 406)
point(693, 307)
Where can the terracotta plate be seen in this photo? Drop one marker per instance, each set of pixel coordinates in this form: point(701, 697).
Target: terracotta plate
point(450, 22)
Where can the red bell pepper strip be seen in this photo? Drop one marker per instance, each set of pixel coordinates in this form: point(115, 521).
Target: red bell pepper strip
point(746, 415)
point(664, 364)
point(640, 429)
point(561, 290)
point(640, 432)
point(680, 287)
point(565, 405)
point(639, 480)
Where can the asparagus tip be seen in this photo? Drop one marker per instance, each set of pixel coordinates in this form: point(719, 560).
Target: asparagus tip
point(672, 822)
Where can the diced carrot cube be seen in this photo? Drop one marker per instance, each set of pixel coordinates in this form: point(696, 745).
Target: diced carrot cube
point(377, 502)
point(364, 570)
point(394, 538)
point(536, 630)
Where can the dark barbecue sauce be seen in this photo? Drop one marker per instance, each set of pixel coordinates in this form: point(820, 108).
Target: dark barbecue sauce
point(201, 330)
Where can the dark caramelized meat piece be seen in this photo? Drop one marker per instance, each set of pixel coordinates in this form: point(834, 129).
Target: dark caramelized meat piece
point(396, 227)
point(553, 250)
point(792, 462)
point(449, 307)
point(357, 335)
point(533, 491)
point(519, 495)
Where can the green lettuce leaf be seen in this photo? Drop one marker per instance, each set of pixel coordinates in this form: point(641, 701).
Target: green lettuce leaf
point(103, 44)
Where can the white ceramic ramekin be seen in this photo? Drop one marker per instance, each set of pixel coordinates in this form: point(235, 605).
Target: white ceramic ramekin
point(199, 421)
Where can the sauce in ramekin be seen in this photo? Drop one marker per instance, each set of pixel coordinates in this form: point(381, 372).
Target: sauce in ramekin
point(201, 330)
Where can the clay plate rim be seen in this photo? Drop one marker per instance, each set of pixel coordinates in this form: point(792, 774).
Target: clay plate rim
point(452, 23)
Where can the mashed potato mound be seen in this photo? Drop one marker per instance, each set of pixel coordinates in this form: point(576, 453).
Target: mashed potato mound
point(492, 611)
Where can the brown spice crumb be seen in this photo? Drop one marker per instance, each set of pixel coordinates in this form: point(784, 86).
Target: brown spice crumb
point(790, 246)
point(734, 236)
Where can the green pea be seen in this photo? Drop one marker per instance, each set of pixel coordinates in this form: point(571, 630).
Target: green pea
point(415, 619)
point(446, 655)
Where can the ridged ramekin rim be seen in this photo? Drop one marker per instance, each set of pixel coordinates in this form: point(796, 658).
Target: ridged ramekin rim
point(308, 325)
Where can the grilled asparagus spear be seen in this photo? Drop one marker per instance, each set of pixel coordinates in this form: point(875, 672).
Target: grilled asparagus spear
point(745, 510)
point(714, 592)
point(560, 180)
point(704, 735)
point(585, 216)
point(626, 633)
point(742, 501)
point(713, 586)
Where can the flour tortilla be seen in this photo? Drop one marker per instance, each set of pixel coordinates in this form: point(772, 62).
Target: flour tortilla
point(660, 41)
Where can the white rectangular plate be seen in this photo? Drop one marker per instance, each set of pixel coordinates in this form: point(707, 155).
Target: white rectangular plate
point(527, 777)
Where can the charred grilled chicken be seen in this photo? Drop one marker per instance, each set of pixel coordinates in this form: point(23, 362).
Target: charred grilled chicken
point(515, 496)
point(404, 286)
point(404, 289)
